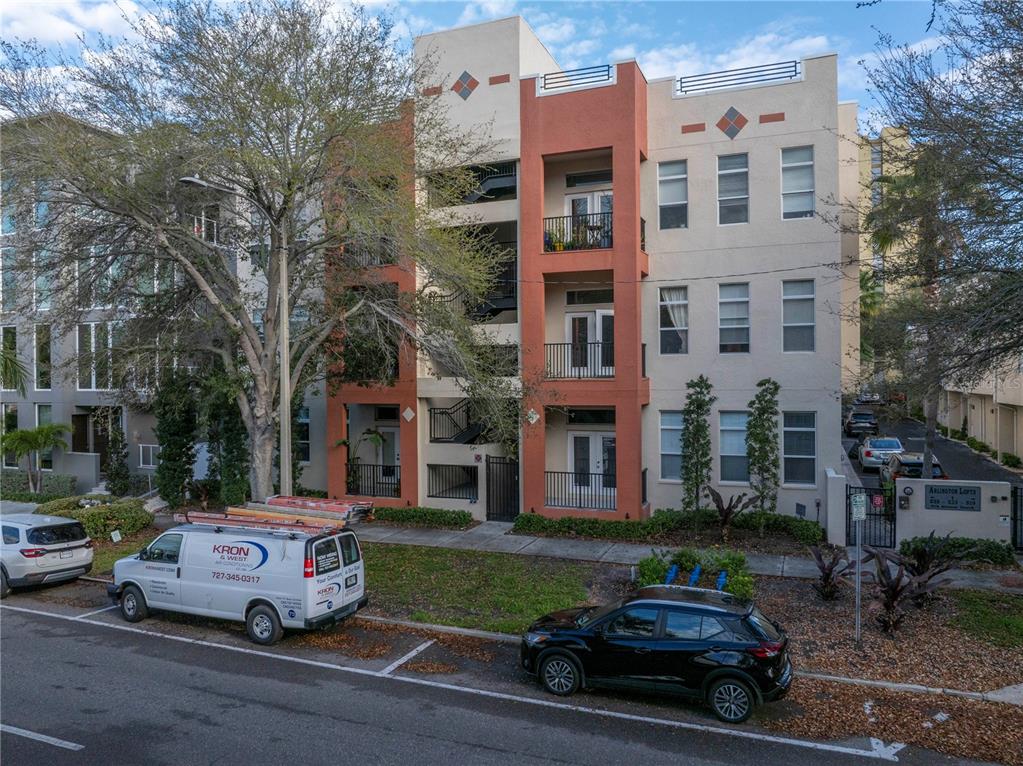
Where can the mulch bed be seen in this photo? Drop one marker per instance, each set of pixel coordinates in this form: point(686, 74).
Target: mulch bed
point(927, 649)
point(983, 731)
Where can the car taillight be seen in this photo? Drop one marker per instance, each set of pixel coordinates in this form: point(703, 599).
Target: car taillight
point(767, 649)
point(868, 453)
point(33, 553)
point(308, 569)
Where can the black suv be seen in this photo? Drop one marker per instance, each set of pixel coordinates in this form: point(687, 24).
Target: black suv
point(859, 423)
point(665, 638)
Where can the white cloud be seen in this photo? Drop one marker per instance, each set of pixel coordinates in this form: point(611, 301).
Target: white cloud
point(556, 32)
point(486, 9)
point(61, 22)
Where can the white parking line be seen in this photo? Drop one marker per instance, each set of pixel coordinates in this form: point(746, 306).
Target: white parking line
point(398, 663)
point(878, 750)
point(41, 737)
point(104, 609)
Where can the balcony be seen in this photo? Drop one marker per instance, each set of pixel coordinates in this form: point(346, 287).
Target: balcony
point(572, 489)
point(564, 361)
point(737, 78)
point(577, 232)
point(368, 480)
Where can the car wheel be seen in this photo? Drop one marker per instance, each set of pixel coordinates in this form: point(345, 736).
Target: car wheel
point(559, 675)
point(263, 626)
point(4, 587)
point(133, 604)
point(731, 700)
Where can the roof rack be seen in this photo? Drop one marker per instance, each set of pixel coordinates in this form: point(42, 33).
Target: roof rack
point(291, 524)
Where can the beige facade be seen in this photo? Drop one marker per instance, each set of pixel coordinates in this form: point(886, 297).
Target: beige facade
point(992, 411)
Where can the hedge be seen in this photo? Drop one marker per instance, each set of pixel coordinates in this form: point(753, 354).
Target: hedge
point(987, 551)
point(128, 515)
point(424, 517)
point(1012, 461)
point(653, 570)
point(14, 486)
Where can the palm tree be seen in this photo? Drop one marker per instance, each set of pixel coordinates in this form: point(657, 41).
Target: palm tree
point(12, 372)
point(30, 443)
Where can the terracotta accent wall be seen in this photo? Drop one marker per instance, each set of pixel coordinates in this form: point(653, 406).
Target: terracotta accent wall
point(614, 118)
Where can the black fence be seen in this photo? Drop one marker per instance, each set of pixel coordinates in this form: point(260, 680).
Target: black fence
point(1017, 518)
point(502, 488)
point(371, 480)
point(577, 232)
point(879, 525)
point(570, 78)
point(730, 78)
point(579, 360)
point(454, 482)
point(572, 489)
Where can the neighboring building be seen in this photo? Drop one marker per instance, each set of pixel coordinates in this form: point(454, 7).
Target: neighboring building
point(662, 229)
point(992, 411)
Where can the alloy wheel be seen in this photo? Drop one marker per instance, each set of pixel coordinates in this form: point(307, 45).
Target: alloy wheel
point(559, 675)
point(731, 701)
point(130, 605)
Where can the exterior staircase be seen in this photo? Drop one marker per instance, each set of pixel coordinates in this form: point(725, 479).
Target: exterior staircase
point(454, 425)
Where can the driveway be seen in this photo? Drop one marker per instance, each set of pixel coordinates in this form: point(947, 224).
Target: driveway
point(11, 506)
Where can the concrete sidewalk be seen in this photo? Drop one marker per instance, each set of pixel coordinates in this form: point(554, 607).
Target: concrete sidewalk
point(493, 536)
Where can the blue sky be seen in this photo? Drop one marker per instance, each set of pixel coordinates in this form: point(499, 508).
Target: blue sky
point(668, 38)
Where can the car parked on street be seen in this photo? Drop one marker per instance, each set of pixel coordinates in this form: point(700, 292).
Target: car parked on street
point(909, 465)
point(868, 397)
point(693, 642)
point(860, 422)
point(42, 549)
point(875, 451)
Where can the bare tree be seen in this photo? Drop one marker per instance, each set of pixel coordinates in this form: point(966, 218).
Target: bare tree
point(172, 173)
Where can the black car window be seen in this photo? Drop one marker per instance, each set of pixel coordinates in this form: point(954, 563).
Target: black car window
point(165, 548)
point(762, 625)
point(349, 549)
point(12, 535)
point(596, 613)
point(712, 629)
point(682, 625)
point(56, 535)
point(639, 623)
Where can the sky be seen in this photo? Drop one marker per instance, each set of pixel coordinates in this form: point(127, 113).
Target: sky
point(667, 38)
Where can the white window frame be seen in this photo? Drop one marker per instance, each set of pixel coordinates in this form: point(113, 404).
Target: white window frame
point(749, 317)
point(660, 445)
point(684, 178)
point(745, 196)
point(785, 456)
point(35, 356)
point(110, 357)
point(722, 454)
point(813, 182)
point(98, 281)
point(35, 286)
point(3, 331)
point(812, 297)
point(300, 419)
point(44, 452)
point(154, 454)
point(660, 304)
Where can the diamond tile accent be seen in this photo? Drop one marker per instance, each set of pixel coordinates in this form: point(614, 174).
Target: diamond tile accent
point(732, 122)
point(465, 85)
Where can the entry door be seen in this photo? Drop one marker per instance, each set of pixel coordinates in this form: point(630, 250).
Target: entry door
point(389, 451)
point(592, 457)
point(588, 228)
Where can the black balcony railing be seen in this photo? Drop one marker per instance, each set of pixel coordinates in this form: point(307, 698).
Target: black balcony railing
point(579, 360)
point(642, 356)
point(571, 78)
point(577, 232)
point(642, 234)
point(731, 78)
point(370, 480)
point(454, 482)
point(643, 485)
point(572, 489)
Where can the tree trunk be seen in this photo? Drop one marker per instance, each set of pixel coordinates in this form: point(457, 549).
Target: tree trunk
point(33, 486)
point(261, 467)
point(931, 426)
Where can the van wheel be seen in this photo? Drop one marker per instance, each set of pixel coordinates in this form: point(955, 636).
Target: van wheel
point(731, 700)
point(559, 675)
point(4, 587)
point(263, 626)
point(133, 604)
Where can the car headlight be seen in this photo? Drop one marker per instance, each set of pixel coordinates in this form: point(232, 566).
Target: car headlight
point(536, 638)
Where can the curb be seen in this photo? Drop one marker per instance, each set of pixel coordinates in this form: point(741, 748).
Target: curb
point(505, 637)
point(901, 687)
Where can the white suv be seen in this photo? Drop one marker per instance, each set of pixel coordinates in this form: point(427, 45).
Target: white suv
point(41, 549)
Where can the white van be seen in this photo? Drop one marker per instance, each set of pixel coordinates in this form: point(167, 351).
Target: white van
point(269, 579)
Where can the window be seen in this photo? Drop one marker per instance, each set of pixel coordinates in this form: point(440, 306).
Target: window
point(43, 367)
point(94, 356)
point(733, 188)
point(349, 549)
point(639, 623)
point(42, 295)
point(165, 548)
point(302, 434)
point(674, 320)
point(12, 535)
point(386, 412)
point(42, 205)
point(733, 318)
point(797, 315)
point(682, 625)
point(799, 447)
point(586, 297)
point(149, 455)
point(8, 208)
point(9, 339)
point(797, 182)
point(8, 279)
point(672, 195)
point(95, 273)
point(876, 168)
point(44, 417)
point(671, 446)
point(327, 559)
point(734, 463)
point(9, 423)
point(57, 534)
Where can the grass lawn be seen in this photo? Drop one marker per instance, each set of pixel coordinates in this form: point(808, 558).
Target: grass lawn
point(470, 589)
point(106, 553)
point(993, 617)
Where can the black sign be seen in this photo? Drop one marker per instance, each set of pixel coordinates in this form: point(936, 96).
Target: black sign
point(952, 497)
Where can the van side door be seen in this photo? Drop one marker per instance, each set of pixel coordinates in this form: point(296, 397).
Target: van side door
point(354, 567)
point(161, 570)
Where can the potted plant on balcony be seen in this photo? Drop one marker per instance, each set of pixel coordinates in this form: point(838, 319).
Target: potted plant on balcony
point(559, 245)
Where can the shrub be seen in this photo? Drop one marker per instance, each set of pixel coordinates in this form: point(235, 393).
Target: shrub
point(106, 514)
point(802, 530)
point(424, 517)
point(686, 559)
point(956, 548)
point(653, 569)
point(943, 430)
point(831, 572)
point(15, 482)
point(1012, 461)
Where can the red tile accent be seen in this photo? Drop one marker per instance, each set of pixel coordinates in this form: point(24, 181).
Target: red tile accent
point(694, 127)
point(722, 124)
point(472, 84)
point(772, 117)
point(740, 122)
point(433, 90)
point(500, 79)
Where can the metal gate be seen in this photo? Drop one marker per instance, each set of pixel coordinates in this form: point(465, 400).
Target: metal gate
point(1017, 518)
point(879, 526)
point(502, 488)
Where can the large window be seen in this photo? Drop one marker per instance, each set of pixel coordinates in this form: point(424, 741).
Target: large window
point(8, 279)
point(733, 318)
point(302, 434)
point(43, 367)
point(44, 417)
point(797, 298)
point(799, 447)
point(149, 455)
point(95, 277)
point(8, 208)
point(672, 195)
point(9, 340)
point(42, 295)
point(733, 188)
point(797, 182)
point(674, 320)
point(671, 446)
point(734, 463)
point(95, 345)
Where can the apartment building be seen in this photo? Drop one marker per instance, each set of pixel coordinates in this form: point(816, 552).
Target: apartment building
point(992, 411)
point(662, 229)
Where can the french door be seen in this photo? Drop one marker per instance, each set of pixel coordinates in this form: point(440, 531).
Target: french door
point(591, 337)
point(589, 228)
point(389, 451)
point(593, 461)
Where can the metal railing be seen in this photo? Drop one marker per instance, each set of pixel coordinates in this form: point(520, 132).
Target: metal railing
point(577, 232)
point(732, 78)
point(571, 78)
point(454, 482)
point(371, 480)
point(643, 485)
point(642, 357)
point(447, 422)
point(642, 234)
point(572, 489)
point(579, 360)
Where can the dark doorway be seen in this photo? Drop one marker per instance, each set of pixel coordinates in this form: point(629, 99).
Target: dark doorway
point(502, 488)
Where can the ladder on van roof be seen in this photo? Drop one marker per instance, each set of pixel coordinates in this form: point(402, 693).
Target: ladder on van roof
point(282, 523)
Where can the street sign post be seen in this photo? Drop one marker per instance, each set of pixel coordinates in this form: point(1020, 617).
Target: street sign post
point(858, 507)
